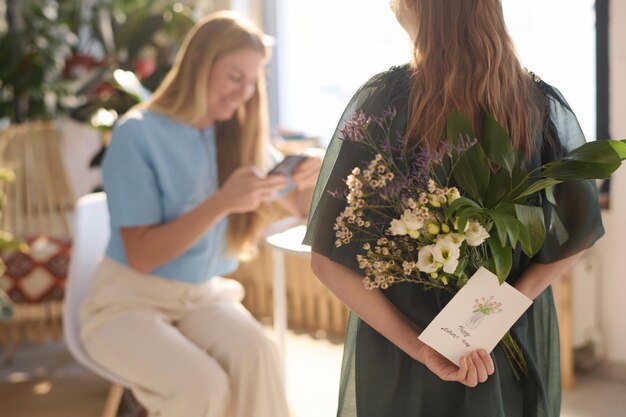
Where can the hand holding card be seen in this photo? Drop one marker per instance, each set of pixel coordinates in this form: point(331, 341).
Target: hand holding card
point(477, 317)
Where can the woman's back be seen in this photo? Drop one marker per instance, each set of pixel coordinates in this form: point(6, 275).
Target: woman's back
point(378, 378)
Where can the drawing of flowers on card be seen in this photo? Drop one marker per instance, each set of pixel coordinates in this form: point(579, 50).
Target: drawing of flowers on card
point(483, 307)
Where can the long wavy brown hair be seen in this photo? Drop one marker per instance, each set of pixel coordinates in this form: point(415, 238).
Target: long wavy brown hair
point(242, 140)
point(464, 59)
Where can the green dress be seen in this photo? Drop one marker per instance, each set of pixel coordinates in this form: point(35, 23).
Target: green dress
point(380, 380)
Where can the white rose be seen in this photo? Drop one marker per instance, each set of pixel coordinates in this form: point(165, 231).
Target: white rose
point(426, 260)
point(475, 233)
point(398, 228)
point(447, 253)
point(411, 220)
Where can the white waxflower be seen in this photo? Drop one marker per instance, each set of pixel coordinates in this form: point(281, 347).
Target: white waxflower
point(447, 253)
point(432, 187)
point(475, 233)
point(426, 260)
point(398, 228)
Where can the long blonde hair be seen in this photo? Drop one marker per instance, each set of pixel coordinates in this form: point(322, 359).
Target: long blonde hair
point(464, 59)
point(242, 140)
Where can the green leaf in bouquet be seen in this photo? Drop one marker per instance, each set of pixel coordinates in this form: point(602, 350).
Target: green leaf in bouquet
point(442, 172)
point(600, 151)
point(539, 185)
point(520, 173)
point(570, 170)
point(534, 223)
point(524, 239)
point(620, 147)
point(506, 226)
point(472, 172)
point(497, 144)
point(458, 126)
point(557, 225)
point(499, 187)
point(460, 269)
point(457, 205)
point(549, 191)
point(503, 258)
point(467, 213)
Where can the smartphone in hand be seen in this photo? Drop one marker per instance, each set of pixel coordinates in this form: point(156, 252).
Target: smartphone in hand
point(288, 165)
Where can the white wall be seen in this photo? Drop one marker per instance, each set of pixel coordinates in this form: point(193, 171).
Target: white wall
point(612, 247)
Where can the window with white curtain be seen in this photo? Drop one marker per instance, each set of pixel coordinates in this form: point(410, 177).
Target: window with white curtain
point(327, 48)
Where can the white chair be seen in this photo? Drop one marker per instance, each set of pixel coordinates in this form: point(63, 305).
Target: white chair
point(91, 234)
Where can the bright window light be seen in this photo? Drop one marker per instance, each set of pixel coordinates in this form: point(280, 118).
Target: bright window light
point(556, 39)
point(326, 49)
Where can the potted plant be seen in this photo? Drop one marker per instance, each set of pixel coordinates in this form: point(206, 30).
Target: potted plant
point(137, 41)
point(33, 47)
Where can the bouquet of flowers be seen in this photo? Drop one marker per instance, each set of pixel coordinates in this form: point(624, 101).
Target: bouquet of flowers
point(435, 218)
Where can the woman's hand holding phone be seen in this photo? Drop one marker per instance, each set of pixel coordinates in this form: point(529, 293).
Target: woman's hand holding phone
point(246, 189)
point(305, 174)
point(303, 170)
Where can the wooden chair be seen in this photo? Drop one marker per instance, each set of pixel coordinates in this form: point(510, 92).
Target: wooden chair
point(37, 203)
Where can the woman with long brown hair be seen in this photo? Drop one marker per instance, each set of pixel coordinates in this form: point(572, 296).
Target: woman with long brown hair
point(186, 196)
point(463, 60)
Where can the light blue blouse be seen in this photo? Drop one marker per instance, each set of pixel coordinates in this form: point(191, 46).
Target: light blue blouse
point(155, 170)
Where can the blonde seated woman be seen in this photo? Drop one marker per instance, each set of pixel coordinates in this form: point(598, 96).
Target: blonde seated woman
point(182, 177)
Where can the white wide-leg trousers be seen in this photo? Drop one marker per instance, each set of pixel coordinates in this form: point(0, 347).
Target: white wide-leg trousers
point(188, 350)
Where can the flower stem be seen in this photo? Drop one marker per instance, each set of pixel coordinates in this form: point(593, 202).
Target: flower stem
point(514, 355)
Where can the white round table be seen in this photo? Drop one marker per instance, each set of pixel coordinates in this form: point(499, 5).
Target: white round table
point(286, 241)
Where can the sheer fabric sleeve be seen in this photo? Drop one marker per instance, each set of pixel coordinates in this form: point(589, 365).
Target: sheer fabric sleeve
point(577, 205)
point(380, 92)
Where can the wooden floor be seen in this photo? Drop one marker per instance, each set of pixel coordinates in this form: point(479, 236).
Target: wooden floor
point(44, 381)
